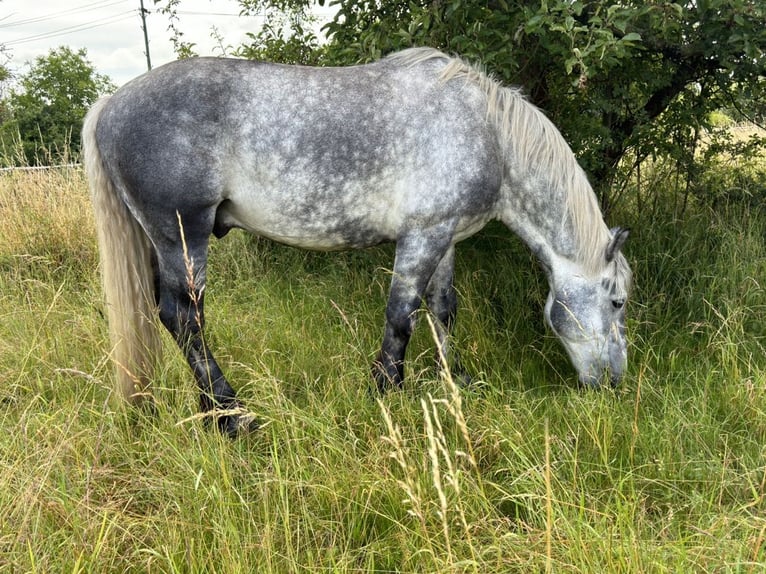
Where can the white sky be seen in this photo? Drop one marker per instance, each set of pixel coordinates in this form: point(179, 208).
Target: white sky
point(111, 31)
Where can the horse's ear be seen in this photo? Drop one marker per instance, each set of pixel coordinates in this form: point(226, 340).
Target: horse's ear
point(619, 236)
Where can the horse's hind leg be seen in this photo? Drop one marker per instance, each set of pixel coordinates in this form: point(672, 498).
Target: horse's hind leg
point(441, 299)
point(181, 300)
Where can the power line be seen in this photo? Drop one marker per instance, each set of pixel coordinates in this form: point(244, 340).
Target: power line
point(56, 15)
point(198, 13)
point(76, 28)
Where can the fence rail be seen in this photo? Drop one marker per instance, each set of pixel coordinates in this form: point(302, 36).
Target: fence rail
point(41, 167)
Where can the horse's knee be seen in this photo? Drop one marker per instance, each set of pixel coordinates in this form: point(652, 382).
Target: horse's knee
point(401, 320)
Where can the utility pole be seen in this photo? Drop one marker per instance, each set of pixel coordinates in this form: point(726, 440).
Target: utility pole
point(144, 12)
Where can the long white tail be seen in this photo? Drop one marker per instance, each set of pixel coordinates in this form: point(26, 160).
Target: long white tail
point(128, 277)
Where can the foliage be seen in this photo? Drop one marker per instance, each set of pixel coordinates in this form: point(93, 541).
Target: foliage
point(284, 38)
point(47, 110)
point(526, 473)
point(729, 168)
point(5, 76)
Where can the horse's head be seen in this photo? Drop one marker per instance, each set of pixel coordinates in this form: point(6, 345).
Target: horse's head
point(587, 312)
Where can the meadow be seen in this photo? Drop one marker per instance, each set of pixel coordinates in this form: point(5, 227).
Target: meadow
point(523, 472)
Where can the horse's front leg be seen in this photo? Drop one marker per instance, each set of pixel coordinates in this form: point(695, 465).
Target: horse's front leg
point(417, 257)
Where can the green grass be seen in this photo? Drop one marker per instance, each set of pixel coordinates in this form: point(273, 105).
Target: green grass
point(524, 473)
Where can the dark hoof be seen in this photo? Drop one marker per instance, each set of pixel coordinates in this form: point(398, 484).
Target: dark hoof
point(386, 381)
point(235, 425)
point(231, 421)
point(599, 383)
point(386, 386)
point(463, 380)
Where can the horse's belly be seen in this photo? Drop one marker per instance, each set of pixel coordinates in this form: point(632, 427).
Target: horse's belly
point(310, 222)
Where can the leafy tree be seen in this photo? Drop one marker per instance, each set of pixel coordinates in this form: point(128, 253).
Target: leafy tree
point(5, 82)
point(48, 108)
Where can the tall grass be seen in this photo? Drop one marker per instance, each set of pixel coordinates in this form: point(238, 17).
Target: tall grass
point(522, 473)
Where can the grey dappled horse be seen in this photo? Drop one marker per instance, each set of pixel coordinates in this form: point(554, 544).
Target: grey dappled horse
point(418, 148)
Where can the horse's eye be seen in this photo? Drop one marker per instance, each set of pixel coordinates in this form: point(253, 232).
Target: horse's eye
point(618, 303)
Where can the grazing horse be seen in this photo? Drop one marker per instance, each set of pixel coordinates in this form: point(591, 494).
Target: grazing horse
point(419, 148)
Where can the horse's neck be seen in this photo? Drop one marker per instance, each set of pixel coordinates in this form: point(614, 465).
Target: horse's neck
point(539, 216)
